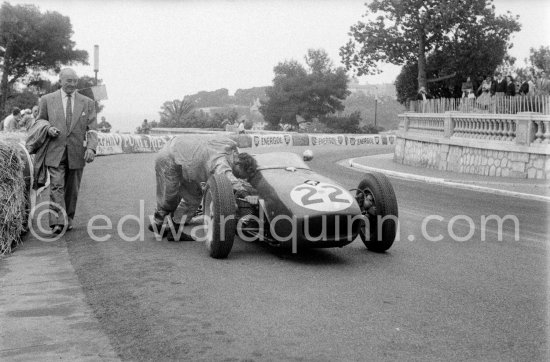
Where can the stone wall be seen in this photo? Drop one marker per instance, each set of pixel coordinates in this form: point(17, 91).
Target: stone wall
point(473, 160)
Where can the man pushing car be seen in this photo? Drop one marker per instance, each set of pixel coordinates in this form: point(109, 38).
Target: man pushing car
point(183, 164)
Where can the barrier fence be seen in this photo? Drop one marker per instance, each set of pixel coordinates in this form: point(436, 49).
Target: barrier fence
point(491, 105)
point(526, 128)
point(113, 143)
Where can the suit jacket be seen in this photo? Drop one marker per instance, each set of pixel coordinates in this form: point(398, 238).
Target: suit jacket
point(82, 133)
point(497, 86)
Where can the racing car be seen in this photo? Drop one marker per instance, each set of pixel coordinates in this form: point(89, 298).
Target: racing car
point(295, 207)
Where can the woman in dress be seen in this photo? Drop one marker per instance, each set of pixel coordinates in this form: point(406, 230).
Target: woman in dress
point(485, 98)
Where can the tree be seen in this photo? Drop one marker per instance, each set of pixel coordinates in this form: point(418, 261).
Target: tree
point(309, 94)
point(539, 59)
point(84, 85)
point(173, 113)
point(407, 31)
point(34, 41)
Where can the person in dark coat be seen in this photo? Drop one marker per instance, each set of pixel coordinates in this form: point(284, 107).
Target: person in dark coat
point(499, 86)
point(510, 86)
point(524, 88)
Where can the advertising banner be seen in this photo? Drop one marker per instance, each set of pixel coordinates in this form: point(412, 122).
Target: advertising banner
point(113, 143)
point(109, 144)
point(263, 140)
point(300, 140)
point(327, 139)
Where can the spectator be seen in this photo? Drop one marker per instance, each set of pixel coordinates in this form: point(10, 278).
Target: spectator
point(27, 120)
point(524, 88)
point(510, 86)
point(35, 112)
point(499, 85)
point(104, 126)
point(145, 127)
point(467, 88)
point(485, 88)
point(423, 96)
point(72, 143)
point(543, 84)
point(477, 86)
point(532, 88)
point(241, 127)
point(11, 122)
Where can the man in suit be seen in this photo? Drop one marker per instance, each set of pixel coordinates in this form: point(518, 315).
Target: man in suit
point(73, 141)
point(543, 84)
point(498, 87)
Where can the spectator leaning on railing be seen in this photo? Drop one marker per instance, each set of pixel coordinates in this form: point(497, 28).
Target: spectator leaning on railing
point(467, 88)
point(543, 84)
point(498, 87)
point(484, 98)
point(523, 88)
point(510, 86)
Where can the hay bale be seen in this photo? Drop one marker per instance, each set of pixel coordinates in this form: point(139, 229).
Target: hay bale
point(13, 197)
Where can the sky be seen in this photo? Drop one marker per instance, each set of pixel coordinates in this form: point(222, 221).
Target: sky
point(154, 51)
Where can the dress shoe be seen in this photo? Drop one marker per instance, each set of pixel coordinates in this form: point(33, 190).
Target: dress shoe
point(181, 237)
point(55, 231)
point(70, 225)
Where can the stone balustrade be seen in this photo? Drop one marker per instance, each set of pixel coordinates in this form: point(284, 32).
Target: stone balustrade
point(513, 145)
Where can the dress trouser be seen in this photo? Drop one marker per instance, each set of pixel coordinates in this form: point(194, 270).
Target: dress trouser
point(64, 186)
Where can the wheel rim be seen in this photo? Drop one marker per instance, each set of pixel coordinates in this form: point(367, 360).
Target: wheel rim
point(368, 209)
point(208, 224)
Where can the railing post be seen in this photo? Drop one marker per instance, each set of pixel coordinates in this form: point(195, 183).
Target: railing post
point(405, 123)
point(448, 127)
point(524, 128)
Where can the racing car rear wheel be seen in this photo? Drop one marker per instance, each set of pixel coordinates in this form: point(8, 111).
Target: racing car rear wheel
point(219, 216)
point(377, 200)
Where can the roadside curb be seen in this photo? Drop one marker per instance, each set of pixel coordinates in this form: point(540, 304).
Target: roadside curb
point(441, 181)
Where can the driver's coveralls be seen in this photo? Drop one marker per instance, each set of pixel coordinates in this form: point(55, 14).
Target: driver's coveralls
point(180, 167)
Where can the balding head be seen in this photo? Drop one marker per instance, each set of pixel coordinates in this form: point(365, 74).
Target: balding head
point(68, 80)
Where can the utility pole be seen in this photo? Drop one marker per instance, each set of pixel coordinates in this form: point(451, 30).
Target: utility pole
point(375, 106)
point(96, 61)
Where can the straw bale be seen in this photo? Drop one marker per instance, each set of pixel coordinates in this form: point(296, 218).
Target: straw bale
point(13, 198)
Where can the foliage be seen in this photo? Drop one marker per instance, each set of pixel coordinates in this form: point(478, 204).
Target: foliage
point(174, 113)
point(246, 97)
point(345, 124)
point(405, 32)
point(34, 41)
point(217, 98)
point(406, 84)
point(539, 60)
point(84, 87)
point(310, 93)
point(371, 129)
point(387, 109)
point(22, 100)
point(478, 55)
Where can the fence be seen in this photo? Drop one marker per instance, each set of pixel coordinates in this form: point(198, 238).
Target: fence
point(527, 128)
point(492, 105)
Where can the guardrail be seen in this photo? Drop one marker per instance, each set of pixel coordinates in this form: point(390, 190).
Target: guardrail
point(494, 105)
point(507, 145)
point(524, 128)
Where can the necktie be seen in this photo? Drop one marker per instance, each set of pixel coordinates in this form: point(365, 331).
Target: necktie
point(69, 113)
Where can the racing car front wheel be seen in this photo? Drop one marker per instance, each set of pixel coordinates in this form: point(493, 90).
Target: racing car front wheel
point(219, 216)
point(377, 200)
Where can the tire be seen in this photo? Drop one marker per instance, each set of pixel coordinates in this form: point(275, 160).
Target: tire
point(376, 190)
point(219, 206)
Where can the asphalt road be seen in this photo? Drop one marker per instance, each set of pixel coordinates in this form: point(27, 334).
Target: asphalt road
point(478, 299)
